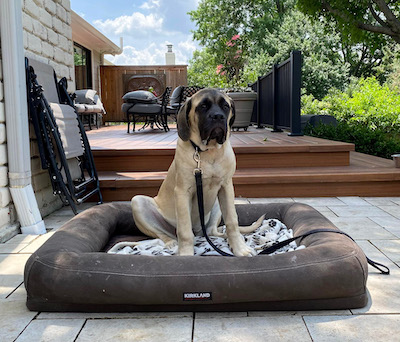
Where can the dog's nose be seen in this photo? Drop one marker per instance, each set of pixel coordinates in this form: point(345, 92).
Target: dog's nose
point(217, 117)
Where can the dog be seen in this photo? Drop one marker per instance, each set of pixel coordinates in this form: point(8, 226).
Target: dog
point(204, 125)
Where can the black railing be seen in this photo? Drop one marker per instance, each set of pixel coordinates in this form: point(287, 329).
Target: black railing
point(278, 96)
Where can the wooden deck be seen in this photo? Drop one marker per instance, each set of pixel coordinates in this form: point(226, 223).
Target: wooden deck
point(268, 165)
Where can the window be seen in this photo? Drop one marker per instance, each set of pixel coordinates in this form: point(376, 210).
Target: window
point(83, 67)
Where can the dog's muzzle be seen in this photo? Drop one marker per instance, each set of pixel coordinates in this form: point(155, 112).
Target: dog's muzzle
point(217, 128)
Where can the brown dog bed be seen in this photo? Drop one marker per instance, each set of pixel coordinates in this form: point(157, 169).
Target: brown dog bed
point(71, 271)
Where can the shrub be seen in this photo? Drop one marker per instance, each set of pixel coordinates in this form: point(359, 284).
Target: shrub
point(373, 142)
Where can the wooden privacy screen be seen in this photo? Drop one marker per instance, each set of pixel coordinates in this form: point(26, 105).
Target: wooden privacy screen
point(117, 80)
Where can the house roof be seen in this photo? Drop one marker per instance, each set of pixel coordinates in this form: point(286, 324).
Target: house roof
point(85, 34)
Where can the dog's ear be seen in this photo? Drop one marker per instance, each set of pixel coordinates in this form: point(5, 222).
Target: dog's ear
point(182, 121)
point(232, 119)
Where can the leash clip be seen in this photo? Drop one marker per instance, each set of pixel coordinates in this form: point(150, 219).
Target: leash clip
point(196, 157)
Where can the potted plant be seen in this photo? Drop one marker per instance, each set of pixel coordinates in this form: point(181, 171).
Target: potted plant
point(232, 70)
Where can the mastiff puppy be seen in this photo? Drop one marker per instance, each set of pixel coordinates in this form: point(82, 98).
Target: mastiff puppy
point(204, 124)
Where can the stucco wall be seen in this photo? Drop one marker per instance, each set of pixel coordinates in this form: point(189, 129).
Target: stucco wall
point(47, 37)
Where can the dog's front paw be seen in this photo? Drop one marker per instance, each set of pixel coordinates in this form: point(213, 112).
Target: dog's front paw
point(187, 250)
point(239, 248)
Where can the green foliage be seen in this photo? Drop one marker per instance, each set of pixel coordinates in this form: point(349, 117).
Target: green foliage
point(358, 20)
point(368, 115)
point(373, 142)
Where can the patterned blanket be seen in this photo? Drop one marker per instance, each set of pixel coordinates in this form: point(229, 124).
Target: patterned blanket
point(270, 232)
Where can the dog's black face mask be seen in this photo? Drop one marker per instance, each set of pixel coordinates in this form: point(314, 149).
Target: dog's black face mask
point(213, 119)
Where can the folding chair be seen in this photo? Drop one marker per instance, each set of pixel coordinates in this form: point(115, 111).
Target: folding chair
point(63, 145)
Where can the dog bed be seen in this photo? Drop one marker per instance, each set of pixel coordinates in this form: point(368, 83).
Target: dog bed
point(73, 272)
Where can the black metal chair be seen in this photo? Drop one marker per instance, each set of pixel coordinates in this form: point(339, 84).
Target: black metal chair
point(63, 145)
point(151, 110)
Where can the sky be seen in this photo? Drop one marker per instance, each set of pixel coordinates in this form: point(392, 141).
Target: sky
point(146, 26)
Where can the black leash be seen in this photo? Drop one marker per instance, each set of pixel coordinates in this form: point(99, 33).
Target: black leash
point(199, 187)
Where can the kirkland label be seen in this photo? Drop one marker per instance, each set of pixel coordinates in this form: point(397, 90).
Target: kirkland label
point(200, 296)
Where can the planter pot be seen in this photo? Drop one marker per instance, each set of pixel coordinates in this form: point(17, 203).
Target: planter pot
point(396, 158)
point(244, 103)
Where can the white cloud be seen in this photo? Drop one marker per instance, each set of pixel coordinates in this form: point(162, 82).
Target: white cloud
point(130, 24)
point(151, 4)
point(151, 55)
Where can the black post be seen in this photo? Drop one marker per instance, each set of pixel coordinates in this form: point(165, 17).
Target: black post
point(275, 95)
point(258, 104)
point(295, 93)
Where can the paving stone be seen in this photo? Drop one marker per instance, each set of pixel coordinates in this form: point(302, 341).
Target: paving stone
point(14, 317)
point(110, 315)
point(320, 201)
point(390, 223)
point(373, 253)
point(251, 329)
point(270, 200)
point(391, 209)
point(22, 239)
point(354, 328)
point(32, 247)
point(361, 211)
point(362, 228)
point(56, 221)
point(354, 201)
point(381, 200)
point(146, 329)
point(11, 248)
point(60, 330)
point(391, 248)
point(299, 313)
point(11, 272)
point(383, 292)
point(218, 315)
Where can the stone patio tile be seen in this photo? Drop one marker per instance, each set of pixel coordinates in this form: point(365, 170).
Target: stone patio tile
point(383, 292)
point(11, 248)
point(270, 200)
point(363, 328)
point(299, 313)
point(381, 200)
point(18, 294)
point(322, 209)
point(32, 247)
point(11, 272)
point(354, 201)
point(362, 228)
point(22, 239)
point(396, 200)
point(60, 330)
point(251, 329)
point(56, 221)
point(361, 211)
point(391, 209)
point(390, 223)
point(373, 253)
point(391, 248)
point(110, 315)
point(146, 329)
point(218, 315)
point(14, 317)
point(320, 201)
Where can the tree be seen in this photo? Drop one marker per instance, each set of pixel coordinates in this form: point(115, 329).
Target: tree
point(360, 20)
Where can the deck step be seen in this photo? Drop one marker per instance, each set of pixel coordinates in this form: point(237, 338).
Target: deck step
point(246, 157)
point(355, 180)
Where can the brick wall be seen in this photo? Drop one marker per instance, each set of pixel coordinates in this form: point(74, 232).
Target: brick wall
point(8, 226)
point(47, 37)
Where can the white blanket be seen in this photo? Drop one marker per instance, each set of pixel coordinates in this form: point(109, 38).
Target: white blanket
point(271, 231)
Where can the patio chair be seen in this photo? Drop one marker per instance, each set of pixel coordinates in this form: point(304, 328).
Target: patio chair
point(178, 97)
point(143, 105)
point(63, 145)
point(89, 107)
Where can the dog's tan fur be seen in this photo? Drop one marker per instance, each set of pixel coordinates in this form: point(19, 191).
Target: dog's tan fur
point(176, 202)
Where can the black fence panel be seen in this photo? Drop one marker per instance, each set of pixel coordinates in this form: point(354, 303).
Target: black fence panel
point(278, 96)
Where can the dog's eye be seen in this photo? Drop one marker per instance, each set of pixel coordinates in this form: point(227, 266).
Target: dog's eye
point(226, 106)
point(204, 106)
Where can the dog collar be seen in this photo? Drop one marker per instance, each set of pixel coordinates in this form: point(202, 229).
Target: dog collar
point(196, 147)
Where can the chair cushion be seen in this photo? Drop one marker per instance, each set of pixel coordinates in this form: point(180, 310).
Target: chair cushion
point(141, 108)
point(46, 78)
point(176, 95)
point(86, 96)
point(71, 271)
point(140, 96)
